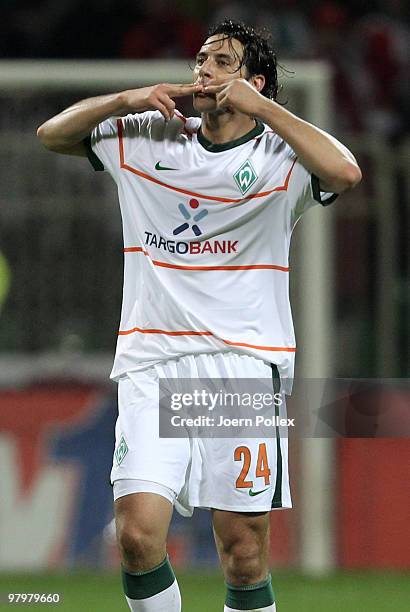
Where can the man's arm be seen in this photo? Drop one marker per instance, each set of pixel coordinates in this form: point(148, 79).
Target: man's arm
point(65, 132)
point(320, 153)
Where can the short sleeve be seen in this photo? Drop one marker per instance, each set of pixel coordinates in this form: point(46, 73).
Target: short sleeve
point(304, 191)
point(106, 140)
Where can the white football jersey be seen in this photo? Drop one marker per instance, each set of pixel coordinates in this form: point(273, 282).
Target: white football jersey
point(207, 232)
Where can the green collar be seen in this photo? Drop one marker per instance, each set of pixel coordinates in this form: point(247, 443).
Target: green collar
point(217, 148)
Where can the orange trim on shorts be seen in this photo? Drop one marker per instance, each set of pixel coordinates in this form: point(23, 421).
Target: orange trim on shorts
point(127, 332)
point(163, 264)
point(148, 177)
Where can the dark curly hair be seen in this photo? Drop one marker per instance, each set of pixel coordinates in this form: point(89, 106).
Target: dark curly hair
point(258, 55)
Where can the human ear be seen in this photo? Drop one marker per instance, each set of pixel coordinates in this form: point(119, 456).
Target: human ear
point(258, 81)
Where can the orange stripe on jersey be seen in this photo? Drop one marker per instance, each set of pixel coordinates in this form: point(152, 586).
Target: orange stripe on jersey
point(287, 349)
point(181, 116)
point(163, 264)
point(255, 267)
point(184, 120)
point(126, 332)
point(135, 250)
point(148, 177)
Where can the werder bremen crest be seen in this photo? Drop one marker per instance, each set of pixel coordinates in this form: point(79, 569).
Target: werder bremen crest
point(121, 451)
point(245, 177)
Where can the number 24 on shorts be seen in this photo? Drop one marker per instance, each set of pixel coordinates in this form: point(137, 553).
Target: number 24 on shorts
point(243, 453)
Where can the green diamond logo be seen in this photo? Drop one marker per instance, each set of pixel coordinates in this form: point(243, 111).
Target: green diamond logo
point(122, 450)
point(245, 177)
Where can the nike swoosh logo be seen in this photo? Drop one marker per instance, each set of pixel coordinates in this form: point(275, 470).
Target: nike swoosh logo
point(159, 167)
point(253, 493)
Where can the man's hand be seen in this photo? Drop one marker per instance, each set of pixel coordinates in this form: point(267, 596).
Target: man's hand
point(157, 97)
point(65, 132)
point(236, 95)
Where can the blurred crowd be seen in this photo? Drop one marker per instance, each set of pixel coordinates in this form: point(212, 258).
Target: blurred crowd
point(366, 41)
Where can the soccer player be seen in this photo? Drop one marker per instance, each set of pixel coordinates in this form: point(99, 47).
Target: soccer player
point(208, 206)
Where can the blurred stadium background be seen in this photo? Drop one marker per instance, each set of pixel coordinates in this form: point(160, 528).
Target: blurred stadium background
point(346, 543)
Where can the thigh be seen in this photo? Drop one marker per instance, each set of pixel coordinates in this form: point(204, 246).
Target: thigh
point(142, 523)
point(242, 541)
point(231, 526)
point(143, 513)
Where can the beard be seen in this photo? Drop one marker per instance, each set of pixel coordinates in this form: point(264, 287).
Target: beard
point(204, 103)
point(207, 104)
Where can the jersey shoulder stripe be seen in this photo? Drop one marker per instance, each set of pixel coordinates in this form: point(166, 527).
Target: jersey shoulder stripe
point(129, 168)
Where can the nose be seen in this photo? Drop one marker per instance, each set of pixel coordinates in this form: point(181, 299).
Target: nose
point(205, 69)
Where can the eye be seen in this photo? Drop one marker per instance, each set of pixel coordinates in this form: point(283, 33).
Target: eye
point(200, 60)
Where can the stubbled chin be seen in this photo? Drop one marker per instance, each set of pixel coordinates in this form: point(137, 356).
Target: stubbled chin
point(204, 105)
